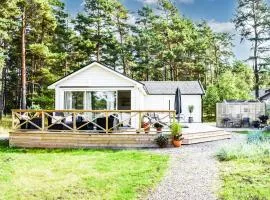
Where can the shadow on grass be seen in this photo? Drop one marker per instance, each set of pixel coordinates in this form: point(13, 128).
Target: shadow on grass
point(4, 147)
point(4, 143)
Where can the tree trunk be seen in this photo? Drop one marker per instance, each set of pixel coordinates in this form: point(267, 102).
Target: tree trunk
point(171, 71)
point(23, 62)
point(98, 41)
point(256, 69)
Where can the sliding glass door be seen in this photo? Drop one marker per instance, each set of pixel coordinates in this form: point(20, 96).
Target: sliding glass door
point(90, 100)
point(74, 100)
point(96, 100)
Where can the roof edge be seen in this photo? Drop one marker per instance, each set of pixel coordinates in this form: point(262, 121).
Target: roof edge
point(203, 91)
point(52, 86)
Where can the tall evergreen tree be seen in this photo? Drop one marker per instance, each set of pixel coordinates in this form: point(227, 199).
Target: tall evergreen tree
point(252, 19)
point(95, 27)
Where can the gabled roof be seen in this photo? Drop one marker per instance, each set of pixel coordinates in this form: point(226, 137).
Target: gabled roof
point(262, 92)
point(52, 86)
point(169, 87)
point(150, 87)
point(266, 96)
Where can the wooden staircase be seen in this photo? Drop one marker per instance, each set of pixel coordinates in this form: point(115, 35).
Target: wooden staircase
point(207, 136)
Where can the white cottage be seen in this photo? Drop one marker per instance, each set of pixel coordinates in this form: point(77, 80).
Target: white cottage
point(97, 87)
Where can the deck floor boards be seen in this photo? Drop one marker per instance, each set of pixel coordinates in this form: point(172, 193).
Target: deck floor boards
point(195, 133)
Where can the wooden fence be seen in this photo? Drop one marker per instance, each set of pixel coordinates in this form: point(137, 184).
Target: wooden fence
point(101, 121)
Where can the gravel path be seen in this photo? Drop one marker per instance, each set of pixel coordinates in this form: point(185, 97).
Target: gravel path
point(193, 172)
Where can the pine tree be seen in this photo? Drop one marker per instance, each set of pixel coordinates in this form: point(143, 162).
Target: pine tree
point(252, 19)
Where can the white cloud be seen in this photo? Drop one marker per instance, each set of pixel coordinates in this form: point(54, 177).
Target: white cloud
point(155, 1)
point(148, 1)
point(186, 1)
point(240, 49)
point(227, 27)
point(131, 19)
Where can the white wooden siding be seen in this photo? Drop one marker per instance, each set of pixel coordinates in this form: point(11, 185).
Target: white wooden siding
point(96, 76)
point(161, 102)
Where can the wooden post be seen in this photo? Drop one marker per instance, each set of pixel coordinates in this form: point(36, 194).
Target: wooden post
point(140, 122)
point(74, 121)
point(13, 120)
point(43, 120)
point(107, 122)
point(170, 117)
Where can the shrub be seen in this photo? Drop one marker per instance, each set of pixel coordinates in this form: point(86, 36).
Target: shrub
point(225, 155)
point(162, 141)
point(257, 137)
point(248, 150)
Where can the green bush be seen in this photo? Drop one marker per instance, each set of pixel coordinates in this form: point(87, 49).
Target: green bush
point(257, 137)
point(162, 141)
point(254, 151)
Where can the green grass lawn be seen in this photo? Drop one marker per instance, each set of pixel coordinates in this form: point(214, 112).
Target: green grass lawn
point(5, 125)
point(248, 132)
point(78, 174)
point(245, 172)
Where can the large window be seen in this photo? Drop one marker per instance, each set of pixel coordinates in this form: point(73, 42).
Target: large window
point(74, 100)
point(90, 100)
point(102, 100)
point(124, 100)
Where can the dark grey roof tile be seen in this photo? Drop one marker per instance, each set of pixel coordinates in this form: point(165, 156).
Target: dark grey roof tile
point(169, 87)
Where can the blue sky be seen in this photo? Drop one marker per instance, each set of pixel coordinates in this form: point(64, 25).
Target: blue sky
point(218, 14)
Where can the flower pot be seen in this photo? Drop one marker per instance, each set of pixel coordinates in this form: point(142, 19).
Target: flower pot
point(190, 119)
point(147, 130)
point(159, 130)
point(146, 127)
point(177, 143)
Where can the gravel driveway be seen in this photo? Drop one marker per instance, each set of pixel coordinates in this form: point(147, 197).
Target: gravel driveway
point(193, 172)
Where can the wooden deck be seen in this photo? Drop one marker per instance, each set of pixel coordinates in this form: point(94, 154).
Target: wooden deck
point(109, 136)
point(81, 140)
point(199, 132)
point(38, 139)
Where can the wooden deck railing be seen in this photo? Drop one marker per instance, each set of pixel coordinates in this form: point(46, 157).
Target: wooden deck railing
point(105, 121)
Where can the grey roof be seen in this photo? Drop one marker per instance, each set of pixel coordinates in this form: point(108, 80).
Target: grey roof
point(169, 87)
point(262, 92)
point(266, 96)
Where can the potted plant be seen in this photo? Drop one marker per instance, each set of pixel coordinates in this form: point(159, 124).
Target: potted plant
point(158, 126)
point(176, 131)
point(146, 127)
point(190, 110)
point(145, 124)
point(162, 140)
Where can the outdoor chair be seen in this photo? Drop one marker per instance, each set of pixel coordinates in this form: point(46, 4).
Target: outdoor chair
point(58, 125)
point(245, 122)
point(236, 123)
point(23, 119)
point(102, 123)
point(226, 122)
point(256, 124)
point(37, 121)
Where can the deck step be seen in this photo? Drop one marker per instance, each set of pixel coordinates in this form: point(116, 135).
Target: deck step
point(206, 137)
